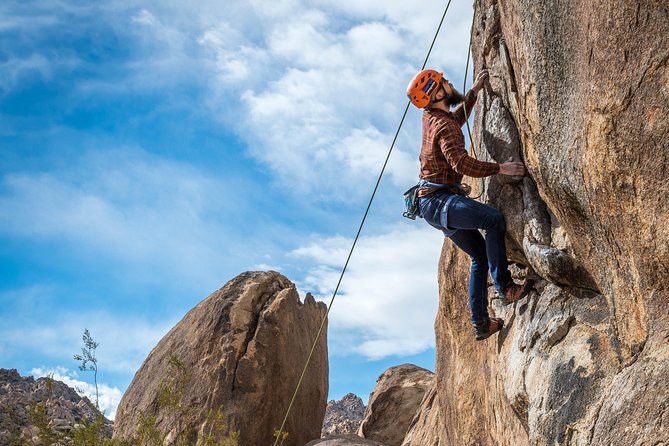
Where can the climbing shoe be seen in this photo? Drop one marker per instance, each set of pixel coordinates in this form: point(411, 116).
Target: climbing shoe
point(514, 292)
point(488, 328)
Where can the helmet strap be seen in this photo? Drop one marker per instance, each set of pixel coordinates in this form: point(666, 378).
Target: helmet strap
point(434, 101)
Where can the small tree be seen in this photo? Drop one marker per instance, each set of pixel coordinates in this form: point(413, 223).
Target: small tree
point(89, 363)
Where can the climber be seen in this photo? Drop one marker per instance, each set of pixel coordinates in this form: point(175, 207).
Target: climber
point(443, 202)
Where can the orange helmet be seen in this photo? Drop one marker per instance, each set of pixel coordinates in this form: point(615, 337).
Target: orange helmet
point(423, 86)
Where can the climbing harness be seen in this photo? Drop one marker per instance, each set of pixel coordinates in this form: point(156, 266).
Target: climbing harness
point(412, 200)
point(280, 431)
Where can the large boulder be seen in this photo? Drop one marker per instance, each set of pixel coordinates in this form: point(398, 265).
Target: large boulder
point(394, 402)
point(424, 428)
point(233, 362)
point(579, 91)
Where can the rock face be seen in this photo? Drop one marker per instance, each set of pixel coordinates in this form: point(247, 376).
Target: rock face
point(243, 348)
point(343, 416)
point(424, 428)
point(394, 402)
point(61, 404)
point(579, 90)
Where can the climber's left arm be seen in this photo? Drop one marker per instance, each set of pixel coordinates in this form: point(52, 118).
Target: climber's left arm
point(470, 98)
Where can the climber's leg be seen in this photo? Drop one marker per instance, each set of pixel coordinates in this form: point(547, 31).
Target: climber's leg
point(469, 214)
point(472, 243)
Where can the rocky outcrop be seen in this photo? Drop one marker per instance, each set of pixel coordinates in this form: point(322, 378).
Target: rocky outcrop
point(238, 354)
point(424, 428)
point(579, 91)
point(394, 402)
point(343, 416)
point(61, 406)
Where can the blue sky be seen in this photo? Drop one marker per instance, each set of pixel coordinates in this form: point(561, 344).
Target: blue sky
point(151, 151)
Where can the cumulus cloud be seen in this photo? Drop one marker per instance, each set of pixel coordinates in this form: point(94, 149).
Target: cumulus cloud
point(321, 88)
point(388, 298)
point(125, 340)
point(36, 330)
point(314, 89)
point(145, 17)
point(18, 67)
point(108, 397)
point(133, 207)
point(230, 58)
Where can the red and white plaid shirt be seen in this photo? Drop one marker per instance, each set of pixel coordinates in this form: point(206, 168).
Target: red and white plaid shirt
point(443, 158)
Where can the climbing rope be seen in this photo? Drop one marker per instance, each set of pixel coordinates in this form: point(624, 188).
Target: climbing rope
point(464, 104)
point(279, 433)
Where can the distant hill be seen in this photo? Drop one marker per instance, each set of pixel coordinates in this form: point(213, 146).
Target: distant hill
point(62, 406)
point(343, 416)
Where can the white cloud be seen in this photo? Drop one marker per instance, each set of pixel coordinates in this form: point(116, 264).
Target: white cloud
point(124, 340)
point(12, 70)
point(108, 397)
point(266, 267)
point(136, 208)
point(388, 298)
point(28, 27)
point(145, 17)
point(231, 59)
point(321, 85)
point(308, 86)
point(37, 330)
point(13, 22)
point(315, 89)
point(364, 151)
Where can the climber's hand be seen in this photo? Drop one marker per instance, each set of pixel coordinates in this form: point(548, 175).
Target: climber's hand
point(480, 80)
point(513, 168)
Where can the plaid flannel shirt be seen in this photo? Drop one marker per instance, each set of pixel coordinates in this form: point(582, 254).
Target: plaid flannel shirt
point(443, 158)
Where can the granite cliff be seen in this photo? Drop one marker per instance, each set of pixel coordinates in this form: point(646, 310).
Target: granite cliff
point(578, 90)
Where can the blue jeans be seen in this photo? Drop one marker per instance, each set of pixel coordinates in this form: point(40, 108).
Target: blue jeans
point(460, 219)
